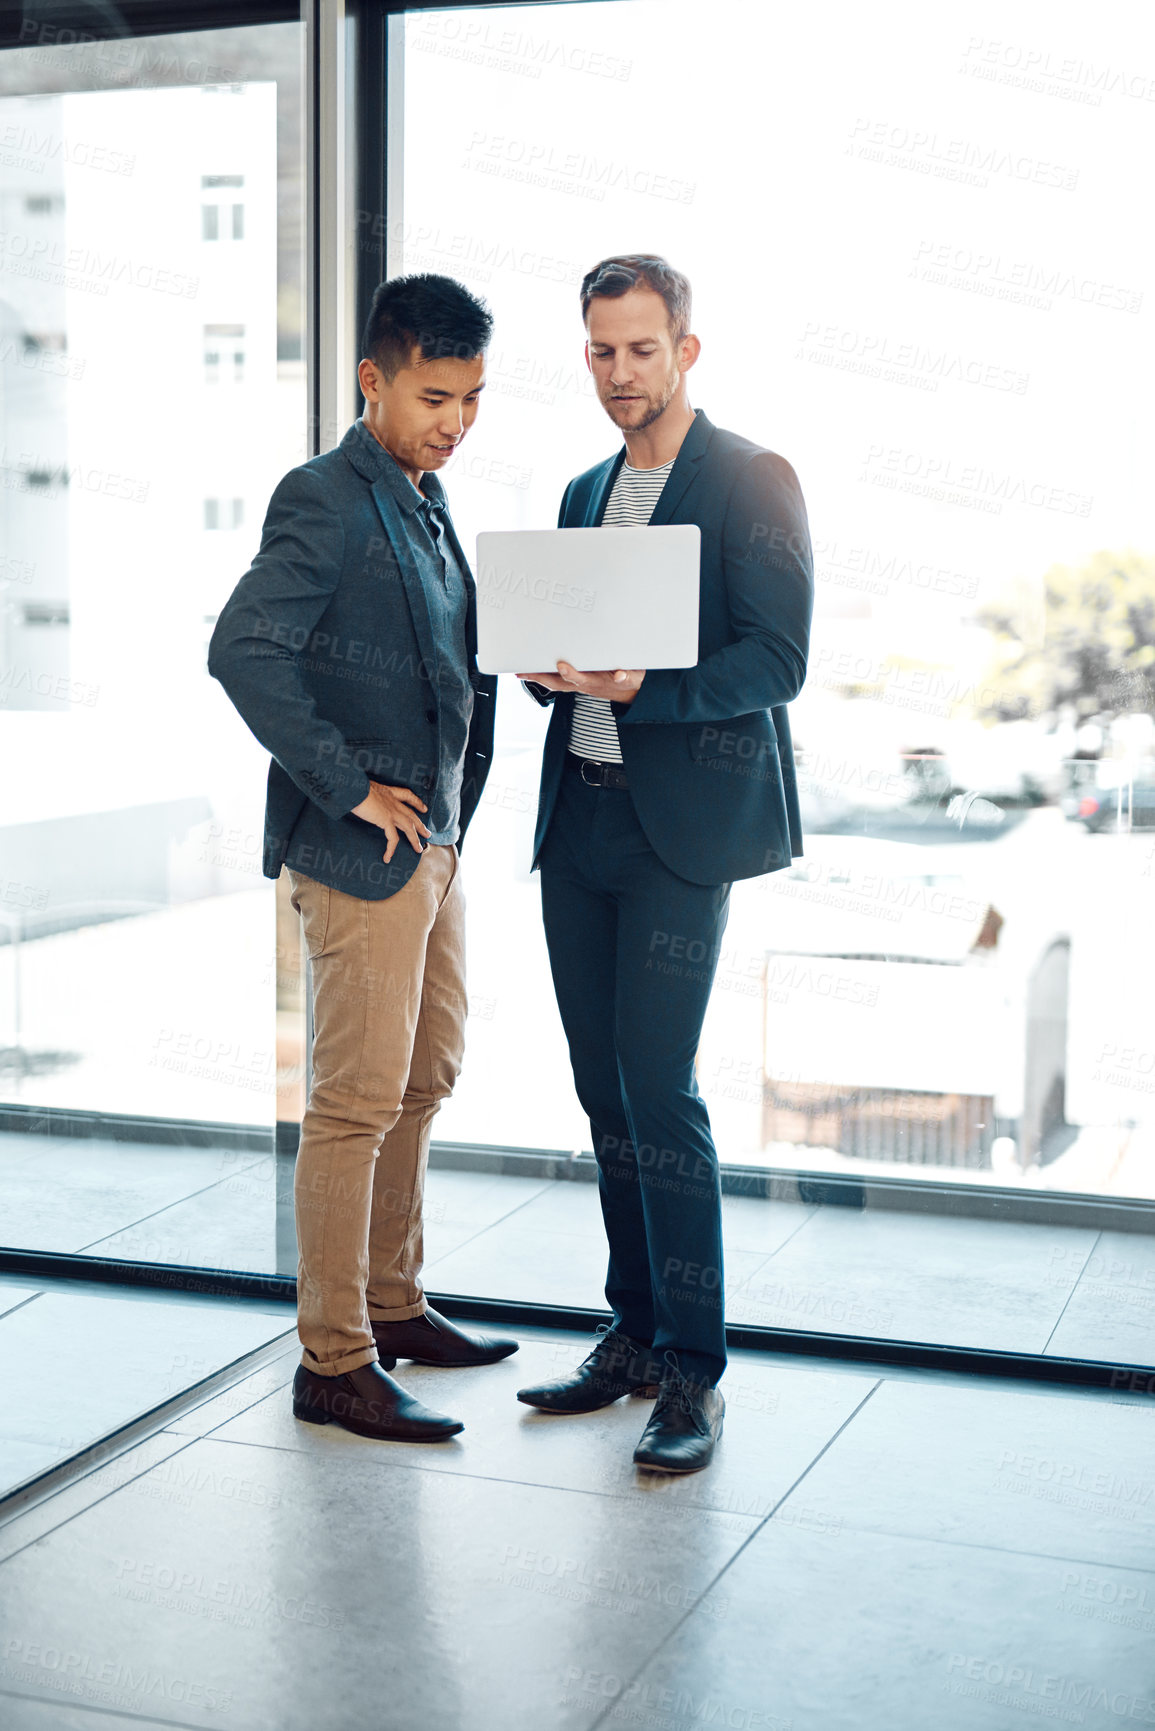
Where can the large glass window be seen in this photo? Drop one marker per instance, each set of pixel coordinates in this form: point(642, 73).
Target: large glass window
point(152, 392)
point(921, 274)
point(926, 289)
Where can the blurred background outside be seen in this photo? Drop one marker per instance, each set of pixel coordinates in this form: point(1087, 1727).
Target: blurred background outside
point(919, 273)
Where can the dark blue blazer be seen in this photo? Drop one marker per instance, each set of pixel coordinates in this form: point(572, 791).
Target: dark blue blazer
point(707, 749)
point(326, 648)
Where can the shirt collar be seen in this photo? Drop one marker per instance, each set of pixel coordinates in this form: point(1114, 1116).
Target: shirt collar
point(388, 470)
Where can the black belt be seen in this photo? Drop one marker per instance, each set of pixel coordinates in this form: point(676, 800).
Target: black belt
point(597, 774)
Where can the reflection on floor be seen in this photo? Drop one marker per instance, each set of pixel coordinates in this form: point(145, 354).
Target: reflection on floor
point(79, 1361)
point(1070, 1292)
point(1066, 1291)
point(891, 1550)
point(209, 1207)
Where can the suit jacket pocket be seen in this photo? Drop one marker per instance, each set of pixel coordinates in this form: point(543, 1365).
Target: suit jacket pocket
point(379, 759)
point(747, 746)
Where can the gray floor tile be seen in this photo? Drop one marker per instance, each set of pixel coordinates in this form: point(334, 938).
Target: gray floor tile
point(139, 1355)
point(956, 1282)
point(951, 1281)
point(460, 1205)
point(512, 1261)
point(1111, 1313)
point(742, 1267)
point(836, 1630)
point(573, 1208)
point(523, 1256)
point(750, 1223)
point(69, 1194)
point(22, 1459)
point(470, 1601)
point(18, 1713)
point(230, 1224)
point(777, 1420)
point(17, 1146)
point(1004, 1468)
point(568, 1206)
point(11, 1297)
point(25, 1525)
point(164, 1295)
point(219, 1408)
point(477, 1199)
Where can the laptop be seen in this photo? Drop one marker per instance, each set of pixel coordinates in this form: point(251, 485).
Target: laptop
point(597, 598)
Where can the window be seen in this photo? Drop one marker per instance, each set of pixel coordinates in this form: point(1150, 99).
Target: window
point(224, 513)
point(899, 1015)
point(140, 880)
point(45, 612)
point(222, 216)
point(945, 1004)
point(224, 354)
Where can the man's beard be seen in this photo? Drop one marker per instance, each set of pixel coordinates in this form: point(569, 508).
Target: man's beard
point(655, 410)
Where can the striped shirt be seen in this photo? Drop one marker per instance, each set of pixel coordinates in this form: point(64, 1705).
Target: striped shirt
point(594, 731)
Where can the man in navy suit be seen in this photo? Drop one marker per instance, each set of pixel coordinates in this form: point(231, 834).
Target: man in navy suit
point(658, 789)
point(350, 650)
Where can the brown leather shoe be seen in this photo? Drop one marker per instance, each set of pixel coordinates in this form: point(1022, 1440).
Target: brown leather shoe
point(433, 1339)
point(369, 1403)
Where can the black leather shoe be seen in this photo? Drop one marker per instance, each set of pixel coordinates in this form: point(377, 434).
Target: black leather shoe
point(618, 1365)
point(369, 1403)
point(684, 1427)
point(432, 1339)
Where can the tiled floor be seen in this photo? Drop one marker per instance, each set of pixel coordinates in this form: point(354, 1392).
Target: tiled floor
point(80, 1361)
point(1065, 1291)
point(136, 1200)
point(901, 1550)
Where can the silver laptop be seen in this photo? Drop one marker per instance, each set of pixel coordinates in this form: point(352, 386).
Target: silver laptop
point(597, 598)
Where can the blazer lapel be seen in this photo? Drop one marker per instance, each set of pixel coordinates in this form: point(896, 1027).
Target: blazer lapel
point(687, 467)
point(600, 495)
point(394, 524)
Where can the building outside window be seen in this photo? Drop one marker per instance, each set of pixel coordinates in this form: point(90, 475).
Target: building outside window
point(224, 513)
point(224, 354)
point(130, 881)
point(222, 215)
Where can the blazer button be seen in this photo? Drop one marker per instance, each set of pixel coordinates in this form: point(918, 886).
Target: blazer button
point(431, 715)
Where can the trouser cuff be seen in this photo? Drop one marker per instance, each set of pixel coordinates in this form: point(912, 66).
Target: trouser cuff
point(352, 1360)
point(403, 1313)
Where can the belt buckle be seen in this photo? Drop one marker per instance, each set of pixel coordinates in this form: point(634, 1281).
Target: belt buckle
point(589, 761)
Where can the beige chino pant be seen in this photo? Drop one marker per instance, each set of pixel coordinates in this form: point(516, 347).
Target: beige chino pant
point(389, 1008)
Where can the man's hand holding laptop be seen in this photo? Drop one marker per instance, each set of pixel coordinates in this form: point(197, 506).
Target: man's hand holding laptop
point(620, 686)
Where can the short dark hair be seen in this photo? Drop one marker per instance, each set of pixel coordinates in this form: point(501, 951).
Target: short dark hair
point(433, 314)
point(631, 270)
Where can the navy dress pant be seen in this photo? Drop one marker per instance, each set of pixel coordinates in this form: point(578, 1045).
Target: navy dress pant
point(633, 949)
